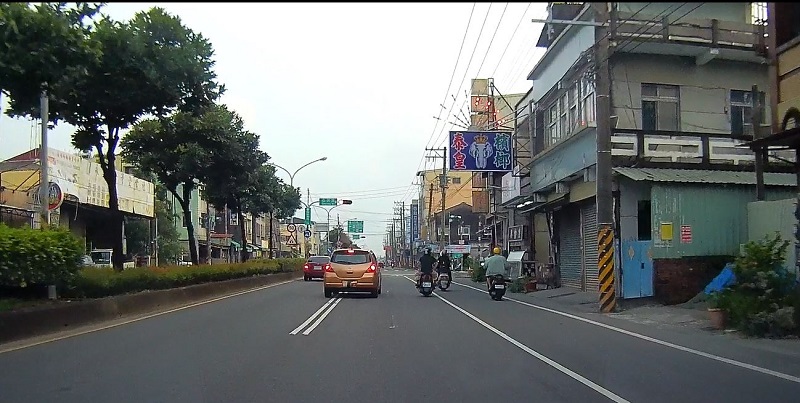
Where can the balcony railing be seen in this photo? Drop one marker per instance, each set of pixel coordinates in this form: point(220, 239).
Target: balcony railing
point(686, 147)
point(701, 31)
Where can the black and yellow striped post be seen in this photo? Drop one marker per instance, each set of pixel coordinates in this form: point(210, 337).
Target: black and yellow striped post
point(605, 266)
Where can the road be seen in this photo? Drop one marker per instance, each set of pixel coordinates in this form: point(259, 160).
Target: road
point(455, 346)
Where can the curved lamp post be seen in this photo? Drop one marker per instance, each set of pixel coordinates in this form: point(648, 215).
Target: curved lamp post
point(291, 175)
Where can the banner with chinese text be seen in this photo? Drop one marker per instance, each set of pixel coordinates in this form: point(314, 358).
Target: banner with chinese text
point(481, 151)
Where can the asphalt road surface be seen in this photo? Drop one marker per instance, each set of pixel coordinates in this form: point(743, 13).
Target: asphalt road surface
point(288, 343)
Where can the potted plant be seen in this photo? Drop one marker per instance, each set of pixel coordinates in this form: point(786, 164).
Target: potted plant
point(716, 314)
point(530, 284)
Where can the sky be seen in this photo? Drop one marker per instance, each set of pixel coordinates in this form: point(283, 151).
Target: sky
point(360, 84)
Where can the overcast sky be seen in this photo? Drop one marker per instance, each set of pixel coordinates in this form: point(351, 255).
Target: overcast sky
point(357, 83)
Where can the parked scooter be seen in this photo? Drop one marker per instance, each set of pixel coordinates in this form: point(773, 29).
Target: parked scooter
point(498, 287)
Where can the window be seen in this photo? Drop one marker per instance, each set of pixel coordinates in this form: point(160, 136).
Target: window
point(644, 220)
point(552, 126)
point(203, 220)
point(587, 102)
point(319, 259)
point(742, 111)
point(355, 257)
point(660, 107)
point(573, 97)
point(456, 181)
point(564, 128)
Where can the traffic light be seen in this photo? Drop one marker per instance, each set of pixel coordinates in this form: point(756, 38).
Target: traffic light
point(347, 202)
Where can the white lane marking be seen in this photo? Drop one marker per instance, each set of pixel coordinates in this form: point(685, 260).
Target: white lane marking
point(322, 317)
point(740, 364)
point(310, 318)
point(8, 350)
point(572, 374)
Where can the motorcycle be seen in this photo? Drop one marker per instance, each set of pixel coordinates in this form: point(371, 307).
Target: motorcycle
point(498, 287)
point(443, 281)
point(426, 285)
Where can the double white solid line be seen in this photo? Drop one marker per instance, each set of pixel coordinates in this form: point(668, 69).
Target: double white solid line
point(320, 315)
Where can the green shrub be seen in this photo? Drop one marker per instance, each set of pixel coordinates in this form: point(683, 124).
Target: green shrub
point(96, 283)
point(763, 300)
point(31, 257)
point(478, 272)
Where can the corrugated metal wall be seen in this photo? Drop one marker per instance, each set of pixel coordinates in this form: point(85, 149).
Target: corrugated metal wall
point(570, 256)
point(716, 213)
point(590, 246)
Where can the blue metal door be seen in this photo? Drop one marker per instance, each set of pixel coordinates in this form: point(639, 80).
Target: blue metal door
point(637, 269)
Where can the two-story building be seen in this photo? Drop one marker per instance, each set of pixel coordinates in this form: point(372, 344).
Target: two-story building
point(685, 81)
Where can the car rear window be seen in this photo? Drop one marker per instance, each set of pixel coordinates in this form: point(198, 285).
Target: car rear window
point(357, 257)
point(319, 259)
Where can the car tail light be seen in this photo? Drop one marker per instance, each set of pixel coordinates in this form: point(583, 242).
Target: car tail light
point(328, 268)
point(307, 266)
point(371, 268)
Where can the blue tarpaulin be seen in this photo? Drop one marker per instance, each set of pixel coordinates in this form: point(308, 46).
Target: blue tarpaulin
point(723, 279)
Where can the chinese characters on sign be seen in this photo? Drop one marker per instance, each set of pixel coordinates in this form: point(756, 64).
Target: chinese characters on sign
point(481, 151)
point(414, 222)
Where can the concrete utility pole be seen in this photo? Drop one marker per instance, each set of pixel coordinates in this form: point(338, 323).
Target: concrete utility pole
point(443, 188)
point(755, 121)
point(208, 232)
point(44, 178)
point(604, 198)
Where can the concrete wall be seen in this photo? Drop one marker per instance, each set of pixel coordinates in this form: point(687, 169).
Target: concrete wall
point(736, 12)
point(559, 58)
point(767, 217)
point(567, 158)
point(704, 90)
point(631, 192)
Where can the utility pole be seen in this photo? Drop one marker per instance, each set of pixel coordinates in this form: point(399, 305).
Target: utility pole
point(403, 231)
point(604, 198)
point(443, 188)
point(755, 121)
point(208, 232)
point(430, 212)
point(392, 243)
point(44, 179)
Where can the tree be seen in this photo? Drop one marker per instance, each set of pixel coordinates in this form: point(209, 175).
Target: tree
point(153, 65)
point(44, 48)
point(179, 150)
point(338, 234)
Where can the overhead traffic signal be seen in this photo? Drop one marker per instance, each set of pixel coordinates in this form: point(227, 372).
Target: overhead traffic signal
point(347, 202)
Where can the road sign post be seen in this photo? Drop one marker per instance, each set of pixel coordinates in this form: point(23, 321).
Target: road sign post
point(328, 202)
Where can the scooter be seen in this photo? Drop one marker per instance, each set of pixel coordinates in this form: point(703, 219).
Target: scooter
point(443, 281)
point(498, 287)
point(426, 284)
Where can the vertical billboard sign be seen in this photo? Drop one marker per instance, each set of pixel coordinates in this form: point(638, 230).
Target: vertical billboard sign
point(414, 221)
point(481, 151)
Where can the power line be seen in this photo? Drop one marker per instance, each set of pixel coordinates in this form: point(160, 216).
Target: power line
point(466, 71)
point(452, 76)
point(355, 192)
point(492, 40)
point(513, 34)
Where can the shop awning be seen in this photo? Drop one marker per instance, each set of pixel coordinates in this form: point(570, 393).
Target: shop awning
point(236, 245)
point(705, 176)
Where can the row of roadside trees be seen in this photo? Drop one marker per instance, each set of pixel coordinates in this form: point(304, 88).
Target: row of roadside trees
point(153, 77)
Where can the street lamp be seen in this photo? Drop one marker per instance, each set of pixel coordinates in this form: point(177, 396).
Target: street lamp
point(291, 175)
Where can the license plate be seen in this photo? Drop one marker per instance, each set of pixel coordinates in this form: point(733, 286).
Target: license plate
point(344, 283)
point(317, 268)
point(426, 284)
point(500, 286)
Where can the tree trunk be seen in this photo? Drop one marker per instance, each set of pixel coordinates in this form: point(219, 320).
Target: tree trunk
point(107, 161)
point(243, 232)
point(184, 199)
point(271, 238)
point(187, 215)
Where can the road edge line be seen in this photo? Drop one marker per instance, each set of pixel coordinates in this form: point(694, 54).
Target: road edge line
point(312, 317)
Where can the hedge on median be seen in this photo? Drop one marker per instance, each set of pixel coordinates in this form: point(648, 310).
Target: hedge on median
point(96, 282)
point(30, 257)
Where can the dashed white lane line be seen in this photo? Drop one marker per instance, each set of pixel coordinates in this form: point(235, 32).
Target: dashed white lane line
point(572, 374)
point(781, 375)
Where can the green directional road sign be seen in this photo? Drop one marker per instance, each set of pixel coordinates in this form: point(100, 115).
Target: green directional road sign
point(355, 227)
point(356, 236)
point(327, 202)
point(308, 216)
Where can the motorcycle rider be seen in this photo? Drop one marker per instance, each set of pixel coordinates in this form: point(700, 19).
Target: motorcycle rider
point(426, 262)
point(443, 265)
point(496, 264)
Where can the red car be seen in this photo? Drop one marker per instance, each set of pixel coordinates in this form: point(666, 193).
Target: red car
point(315, 267)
